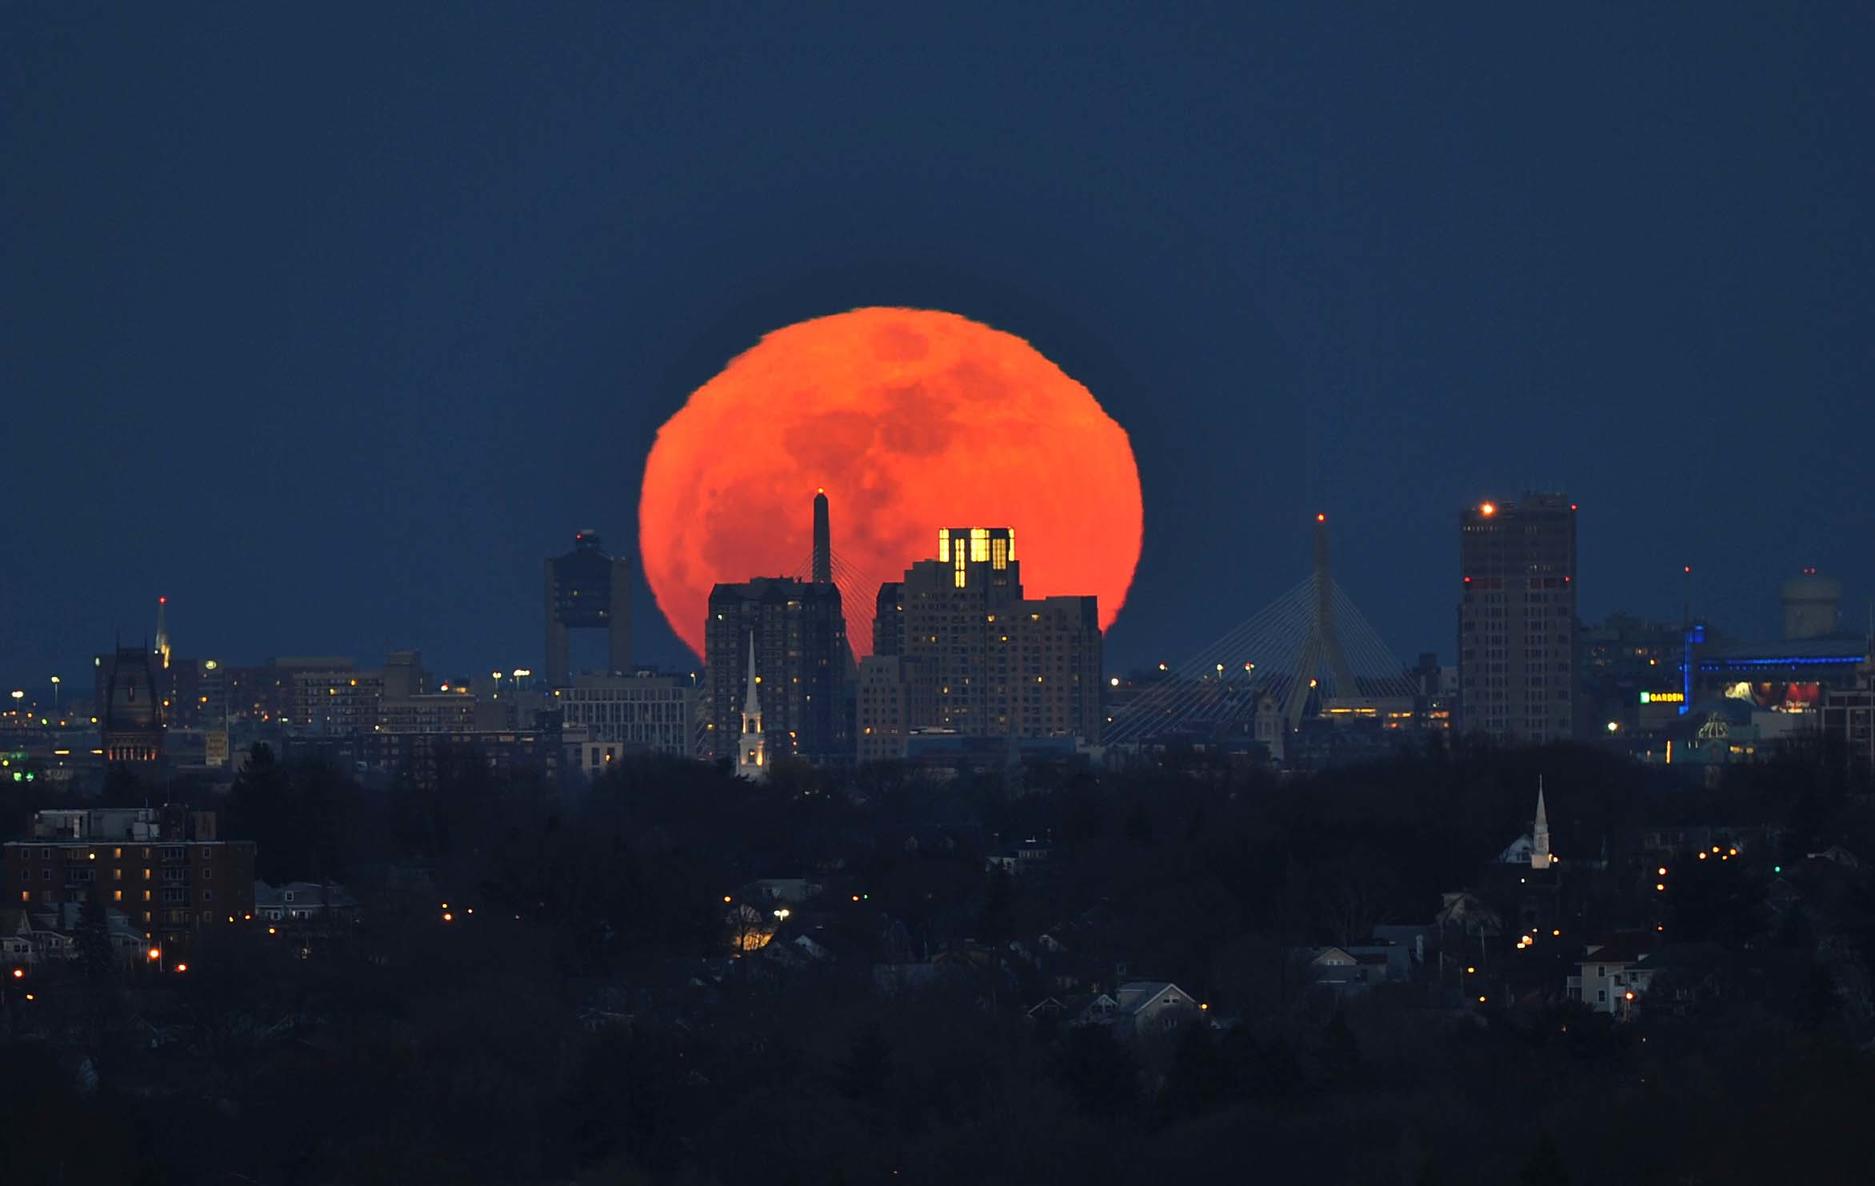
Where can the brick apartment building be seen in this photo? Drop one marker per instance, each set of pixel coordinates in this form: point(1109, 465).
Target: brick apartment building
point(164, 869)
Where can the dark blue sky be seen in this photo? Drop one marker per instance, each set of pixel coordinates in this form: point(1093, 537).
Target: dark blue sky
point(331, 321)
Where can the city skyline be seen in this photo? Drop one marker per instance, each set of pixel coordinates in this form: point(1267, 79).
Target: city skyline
point(1064, 592)
point(1680, 593)
point(464, 363)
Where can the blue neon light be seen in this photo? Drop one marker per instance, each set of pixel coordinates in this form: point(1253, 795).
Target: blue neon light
point(1831, 660)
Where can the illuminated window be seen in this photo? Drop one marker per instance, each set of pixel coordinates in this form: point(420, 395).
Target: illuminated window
point(979, 545)
point(117, 895)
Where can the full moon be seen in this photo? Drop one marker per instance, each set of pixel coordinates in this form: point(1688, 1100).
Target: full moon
point(911, 420)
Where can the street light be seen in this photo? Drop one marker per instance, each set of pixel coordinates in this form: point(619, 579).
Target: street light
point(56, 681)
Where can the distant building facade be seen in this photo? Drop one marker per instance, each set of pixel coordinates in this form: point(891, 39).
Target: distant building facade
point(971, 655)
point(801, 657)
point(606, 717)
point(1517, 619)
point(880, 716)
point(337, 703)
point(453, 711)
point(130, 706)
point(166, 869)
point(587, 590)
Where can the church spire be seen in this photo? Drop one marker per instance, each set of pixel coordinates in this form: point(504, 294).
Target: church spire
point(162, 630)
point(752, 752)
point(1540, 855)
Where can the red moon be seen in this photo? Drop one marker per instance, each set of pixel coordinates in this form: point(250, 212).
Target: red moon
point(911, 420)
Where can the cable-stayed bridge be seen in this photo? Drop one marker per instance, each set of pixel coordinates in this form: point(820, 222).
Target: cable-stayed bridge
point(1307, 653)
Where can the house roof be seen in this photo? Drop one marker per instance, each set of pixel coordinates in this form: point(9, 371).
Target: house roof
point(1135, 995)
point(304, 892)
point(1622, 949)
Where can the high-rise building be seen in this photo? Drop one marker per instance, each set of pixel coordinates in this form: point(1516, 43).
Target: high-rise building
point(802, 656)
point(972, 656)
point(588, 590)
point(880, 701)
point(793, 633)
point(888, 620)
point(1812, 605)
point(403, 675)
point(1517, 619)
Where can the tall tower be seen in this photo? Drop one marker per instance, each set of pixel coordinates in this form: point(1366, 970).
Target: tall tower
point(799, 633)
point(162, 631)
point(130, 710)
point(1322, 650)
point(1811, 605)
point(823, 541)
point(588, 590)
point(752, 753)
point(1517, 619)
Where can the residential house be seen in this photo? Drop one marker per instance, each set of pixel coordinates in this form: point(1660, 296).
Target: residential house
point(1613, 977)
point(1077, 1009)
point(51, 935)
point(303, 901)
point(1144, 1007)
point(786, 891)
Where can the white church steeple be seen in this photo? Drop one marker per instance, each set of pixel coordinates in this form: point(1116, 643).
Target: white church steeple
point(752, 752)
point(1540, 855)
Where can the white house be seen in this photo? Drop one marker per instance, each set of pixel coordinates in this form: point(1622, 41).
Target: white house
point(301, 901)
point(1353, 969)
point(1153, 1006)
point(1612, 977)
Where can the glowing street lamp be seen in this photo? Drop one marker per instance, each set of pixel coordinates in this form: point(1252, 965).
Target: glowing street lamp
point(56, 681)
